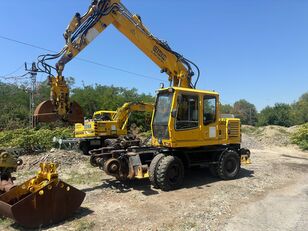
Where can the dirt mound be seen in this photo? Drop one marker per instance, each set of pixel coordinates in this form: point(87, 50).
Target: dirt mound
point(268, 136)
point(63, 157)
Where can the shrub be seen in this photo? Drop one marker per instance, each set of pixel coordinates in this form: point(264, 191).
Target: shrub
point(32, 139)
point(300, 137)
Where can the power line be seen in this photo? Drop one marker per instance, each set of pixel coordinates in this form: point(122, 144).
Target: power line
point(14, 77)
point(24, 43)
point(83, 60)
point(118, 69)
point(13, 72)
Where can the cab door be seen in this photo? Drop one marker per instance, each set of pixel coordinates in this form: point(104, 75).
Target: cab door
point(210, 118)
point(186, 126)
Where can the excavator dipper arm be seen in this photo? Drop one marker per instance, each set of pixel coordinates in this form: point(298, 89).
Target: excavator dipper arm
point(122, 114)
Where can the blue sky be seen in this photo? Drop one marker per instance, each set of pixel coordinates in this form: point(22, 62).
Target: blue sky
point(256, 50)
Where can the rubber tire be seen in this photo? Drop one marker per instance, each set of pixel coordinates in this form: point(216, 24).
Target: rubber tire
point(153, 169)
point(222, 168)
point(163, 169)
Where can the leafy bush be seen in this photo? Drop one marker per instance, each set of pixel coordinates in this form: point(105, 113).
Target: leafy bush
point(300, 137)
point(32, 139)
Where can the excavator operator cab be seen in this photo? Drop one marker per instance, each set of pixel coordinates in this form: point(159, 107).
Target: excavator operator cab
point(185, 117)
point(104, 115)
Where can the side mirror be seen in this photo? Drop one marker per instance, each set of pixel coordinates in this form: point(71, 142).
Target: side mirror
point(173, 113)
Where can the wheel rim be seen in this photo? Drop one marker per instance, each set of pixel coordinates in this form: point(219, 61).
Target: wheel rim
point(174, 174)
point(231, 166)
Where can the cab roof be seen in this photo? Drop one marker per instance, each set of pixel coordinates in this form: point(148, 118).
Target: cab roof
point(191, 90)
point(100, 112)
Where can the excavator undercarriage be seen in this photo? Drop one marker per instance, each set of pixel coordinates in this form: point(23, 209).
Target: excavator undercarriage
point(129, 158)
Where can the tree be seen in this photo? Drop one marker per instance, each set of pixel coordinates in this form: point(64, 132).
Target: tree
point(226, 109)
point(14, 101)
point(300, 110)
point(280, 114)
point(14, 106)
point(246, 111)
point(101, 97)
point(42, 92)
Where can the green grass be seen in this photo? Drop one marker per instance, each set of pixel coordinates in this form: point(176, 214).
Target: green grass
point(5, 223)
point(25, 174)
point(85, 225)
point(84, 178)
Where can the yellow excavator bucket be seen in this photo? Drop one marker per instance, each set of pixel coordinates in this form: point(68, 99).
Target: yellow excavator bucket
point(46, 112)
point(42, 200)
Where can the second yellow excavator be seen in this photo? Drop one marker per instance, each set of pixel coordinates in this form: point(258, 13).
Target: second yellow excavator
point(106, 124)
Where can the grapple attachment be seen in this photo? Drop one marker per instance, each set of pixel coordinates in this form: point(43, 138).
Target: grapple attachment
point(46, 112)
point(42, 200)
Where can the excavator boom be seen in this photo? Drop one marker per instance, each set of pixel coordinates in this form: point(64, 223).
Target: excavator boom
point(102, 13)
point(82, 30)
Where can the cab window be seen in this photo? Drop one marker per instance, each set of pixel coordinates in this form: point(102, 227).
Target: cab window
point(187, 113)
point(209, 109)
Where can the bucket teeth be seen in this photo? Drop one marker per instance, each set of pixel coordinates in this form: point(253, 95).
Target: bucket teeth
point(42, 200)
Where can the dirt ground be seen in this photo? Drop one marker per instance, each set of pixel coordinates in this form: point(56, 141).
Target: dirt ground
point(269, 194)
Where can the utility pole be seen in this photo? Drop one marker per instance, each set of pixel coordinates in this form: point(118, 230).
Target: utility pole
point(250, 116)
point(33, 72)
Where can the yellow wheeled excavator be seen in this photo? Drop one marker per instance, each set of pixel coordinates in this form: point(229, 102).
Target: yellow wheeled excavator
point(187, 128)
point(105, 125)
